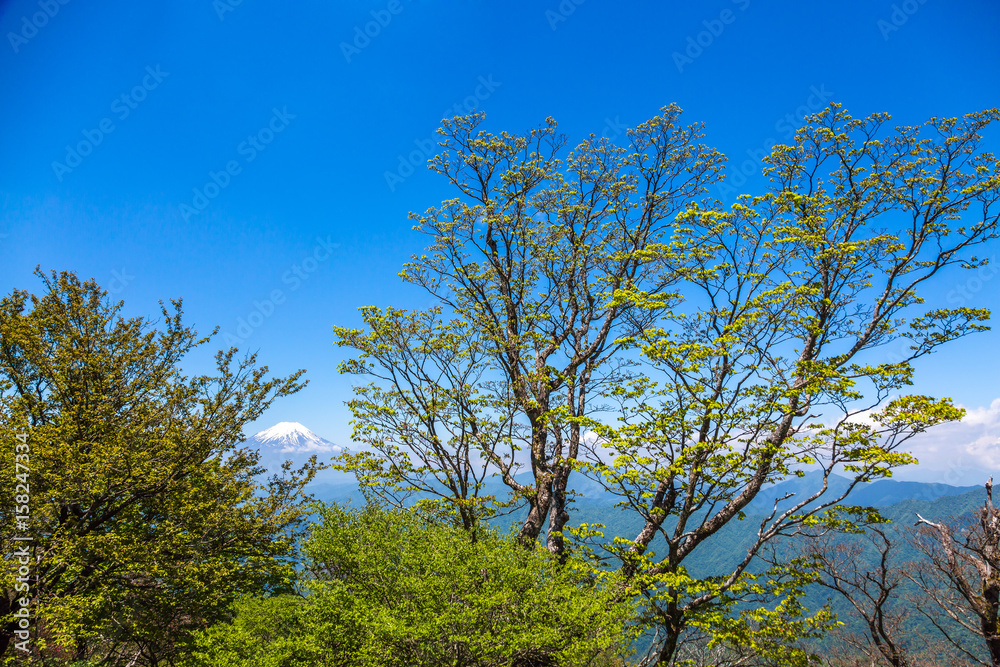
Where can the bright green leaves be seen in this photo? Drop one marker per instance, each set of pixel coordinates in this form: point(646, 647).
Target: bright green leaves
point(615, 322)
point(389, 588)
point(146, 518)
point(917, 413)
point(944, 325)
point(550, 269)
point(774, 633)
point(772, 361)
point(431, 426)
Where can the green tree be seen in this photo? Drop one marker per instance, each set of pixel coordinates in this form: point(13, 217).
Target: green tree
point(773, 361)
point(760, 329)
point(431, 418)
point(146, 520)
point(388, 587)
point(532, 259)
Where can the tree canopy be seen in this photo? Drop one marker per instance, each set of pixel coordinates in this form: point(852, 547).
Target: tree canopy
point(599, 314)
point(146, 520)
point(391, 588)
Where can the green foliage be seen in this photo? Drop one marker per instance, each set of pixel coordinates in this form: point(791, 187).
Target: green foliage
point(388, 587)
point(758, 329)
point(426, 433)
point(146, 520)
point(541, 259)
point(767, 365)
point(744, 619)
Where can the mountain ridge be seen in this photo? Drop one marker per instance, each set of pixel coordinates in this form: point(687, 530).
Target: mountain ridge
point(879, 493)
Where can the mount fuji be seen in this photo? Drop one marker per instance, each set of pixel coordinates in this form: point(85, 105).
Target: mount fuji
point(291, 441)
point(292, 438)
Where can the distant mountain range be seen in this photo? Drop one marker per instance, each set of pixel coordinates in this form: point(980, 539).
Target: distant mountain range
point(293, 440)
point(872, 494)
point(898, 501)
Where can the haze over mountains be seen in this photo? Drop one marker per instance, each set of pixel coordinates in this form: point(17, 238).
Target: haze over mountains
point(292, 440)
point(881, 493)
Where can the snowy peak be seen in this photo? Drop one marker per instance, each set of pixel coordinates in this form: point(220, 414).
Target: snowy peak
point(292, 437)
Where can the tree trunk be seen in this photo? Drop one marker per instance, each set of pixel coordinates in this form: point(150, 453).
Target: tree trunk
point(990, 614)
point(538, 507)
point(888, 649)
point(991, 626)
point(558, 516)
point(672, 628)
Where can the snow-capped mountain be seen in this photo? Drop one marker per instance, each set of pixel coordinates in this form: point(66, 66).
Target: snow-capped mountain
point(292, 438)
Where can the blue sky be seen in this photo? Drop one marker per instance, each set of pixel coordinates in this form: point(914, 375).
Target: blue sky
point(255, 157)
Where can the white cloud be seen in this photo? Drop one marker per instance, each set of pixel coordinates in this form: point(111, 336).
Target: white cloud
point(965, 452)
point(312, 448)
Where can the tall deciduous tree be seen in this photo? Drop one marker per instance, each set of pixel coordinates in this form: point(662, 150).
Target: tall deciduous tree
point(759, 327)
point(773, 361)
point(533, 257)
point(145, 518)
